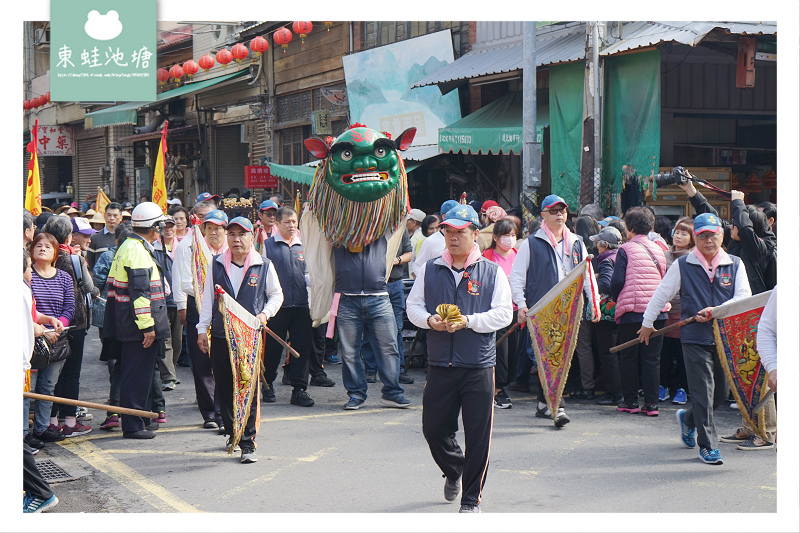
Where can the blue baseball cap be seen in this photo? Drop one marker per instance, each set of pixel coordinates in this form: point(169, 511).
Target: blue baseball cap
point(267, 204)
point(205, 196)
point(604, 222)
point(448, 205)
point(552, 200)
point(242, 222)
point(461, 216)
point(216, 217)
point(706, 222)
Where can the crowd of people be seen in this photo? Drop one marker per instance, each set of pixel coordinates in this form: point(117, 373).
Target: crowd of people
point(131, 271)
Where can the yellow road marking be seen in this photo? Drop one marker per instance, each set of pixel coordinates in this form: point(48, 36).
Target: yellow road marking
point(152, 493)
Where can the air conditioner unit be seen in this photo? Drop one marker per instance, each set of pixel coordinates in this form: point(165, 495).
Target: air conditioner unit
point(41, 36)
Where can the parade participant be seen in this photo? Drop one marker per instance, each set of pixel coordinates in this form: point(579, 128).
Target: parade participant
point(53, 290)
point(639, 266)
point(356, 220)
point(490, 213)
point(136, 315)
point(552, 252)
point(690, 276)
point(266, 214)
point(83, 288)
point(502, 252)
point(104, 239)
point(414, 226)
point(252, 280)
point(607, 241)
point(285, 251)
point(181, 217)
point(97, 222)
point(187, 268)
point(461, 353)
point(433, 246)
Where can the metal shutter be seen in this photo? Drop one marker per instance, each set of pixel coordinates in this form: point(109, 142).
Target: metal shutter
point(91, 155)
point(230, 158)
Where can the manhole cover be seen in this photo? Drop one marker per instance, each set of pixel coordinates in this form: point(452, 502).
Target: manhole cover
point(51, 471)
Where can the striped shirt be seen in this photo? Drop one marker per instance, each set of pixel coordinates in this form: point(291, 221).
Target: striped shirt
point(55, 296)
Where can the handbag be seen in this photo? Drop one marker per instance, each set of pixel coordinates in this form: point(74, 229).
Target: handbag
point(98, 312)
point(45, 353)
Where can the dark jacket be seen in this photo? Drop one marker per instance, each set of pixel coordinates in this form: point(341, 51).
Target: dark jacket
point(290, 265)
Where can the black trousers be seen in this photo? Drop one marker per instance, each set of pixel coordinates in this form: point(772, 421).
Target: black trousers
point(223, 378)
point(316, 362)
point(507, 354)
point(296, 321)
point(32, 481)
point(201, 367)
point(603, 336)
point(136, 380)
point(69, 381)
point(640, 364)
point(471, 391)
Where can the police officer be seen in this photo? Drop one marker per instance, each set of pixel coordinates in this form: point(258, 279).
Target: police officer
point(136, 315)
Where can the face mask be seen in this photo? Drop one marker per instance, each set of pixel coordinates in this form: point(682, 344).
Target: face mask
point(506, 242)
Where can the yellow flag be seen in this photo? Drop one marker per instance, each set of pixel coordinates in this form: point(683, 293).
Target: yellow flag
point(102, 201)
point(159, 183)
point(33, 191)
point(297, 203)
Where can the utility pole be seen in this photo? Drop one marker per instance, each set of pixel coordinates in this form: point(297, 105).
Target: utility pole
point(531, 149)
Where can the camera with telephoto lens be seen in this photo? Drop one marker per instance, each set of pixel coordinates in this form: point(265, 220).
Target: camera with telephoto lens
point(679, 175)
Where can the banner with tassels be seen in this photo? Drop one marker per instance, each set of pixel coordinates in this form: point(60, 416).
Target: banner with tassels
point(735, 326)
point(245, 343)
point(553, 324)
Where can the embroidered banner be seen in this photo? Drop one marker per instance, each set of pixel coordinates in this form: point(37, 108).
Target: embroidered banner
point(553, 324)
point(735, 327)
point(245, 344)
point(201, 257)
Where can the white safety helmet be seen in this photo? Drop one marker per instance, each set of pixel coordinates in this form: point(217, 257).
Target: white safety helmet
point(146, 215)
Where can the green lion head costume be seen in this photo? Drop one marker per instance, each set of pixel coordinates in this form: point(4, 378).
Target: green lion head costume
point(360, 189)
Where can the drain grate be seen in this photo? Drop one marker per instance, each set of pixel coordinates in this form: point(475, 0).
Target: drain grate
point(51, 471)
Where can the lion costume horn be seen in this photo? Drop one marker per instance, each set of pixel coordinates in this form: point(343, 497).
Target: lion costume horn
point(360, 190)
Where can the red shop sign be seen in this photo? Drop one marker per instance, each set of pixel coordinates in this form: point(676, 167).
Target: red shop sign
point(258, 177)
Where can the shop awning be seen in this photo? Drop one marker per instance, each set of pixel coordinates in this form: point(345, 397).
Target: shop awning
point(553, 45)
point(495, 128)
point(126, 113)
point(297, 173)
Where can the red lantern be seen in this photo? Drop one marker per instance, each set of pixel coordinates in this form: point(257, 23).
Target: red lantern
point(190, 67)
point(47, 97)
point(282, 36)
point(224, 57)
point(206, 62)
point(328, 25)
point(259, 45)
point(302, 28)
point(239, 52)
point(162, 75)
point(36, 102)
point(26, 105)
point(176, 72)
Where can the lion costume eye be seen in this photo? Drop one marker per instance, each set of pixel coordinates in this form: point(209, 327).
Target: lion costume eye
point(346, 155)
point(380, 151)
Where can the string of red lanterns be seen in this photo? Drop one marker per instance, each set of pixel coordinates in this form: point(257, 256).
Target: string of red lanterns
point(258, 45)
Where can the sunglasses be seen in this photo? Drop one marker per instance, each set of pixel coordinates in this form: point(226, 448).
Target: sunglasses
point(555, 211)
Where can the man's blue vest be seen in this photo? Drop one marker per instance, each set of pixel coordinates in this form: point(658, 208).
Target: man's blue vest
point(542, 272)
point(362, 272)
point(698, 292)
point(473, 294)
point(252, 293)
point(290, 266)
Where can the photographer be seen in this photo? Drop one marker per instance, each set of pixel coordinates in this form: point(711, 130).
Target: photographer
point(748, 237)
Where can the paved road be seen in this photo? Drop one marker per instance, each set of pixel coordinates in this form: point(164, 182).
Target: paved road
point(326, 460)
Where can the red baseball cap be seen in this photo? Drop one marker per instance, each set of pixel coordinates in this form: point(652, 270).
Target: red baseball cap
point(487, 204)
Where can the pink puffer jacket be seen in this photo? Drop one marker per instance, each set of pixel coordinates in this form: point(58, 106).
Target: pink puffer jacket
point(641, 276)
